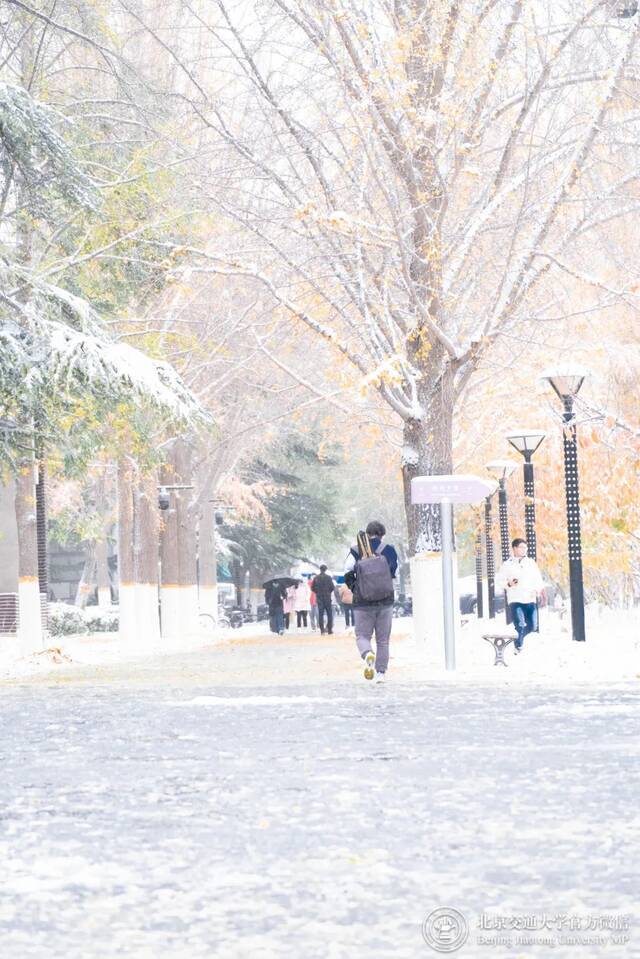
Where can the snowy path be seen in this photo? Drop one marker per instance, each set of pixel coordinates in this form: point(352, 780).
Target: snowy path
point(325, 820)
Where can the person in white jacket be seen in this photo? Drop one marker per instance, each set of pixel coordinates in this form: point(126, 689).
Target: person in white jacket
point(303, 603)
point(522, 579)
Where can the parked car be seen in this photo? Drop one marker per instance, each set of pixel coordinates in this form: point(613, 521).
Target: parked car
point(262, 612)
point(403, 606)
point(469, 603)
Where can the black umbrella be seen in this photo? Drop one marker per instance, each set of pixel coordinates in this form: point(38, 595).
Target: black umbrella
point(285, 581)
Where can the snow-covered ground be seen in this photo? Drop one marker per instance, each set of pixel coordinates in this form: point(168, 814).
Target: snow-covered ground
point(327, 821)
point(253, 795)
point(611, 653)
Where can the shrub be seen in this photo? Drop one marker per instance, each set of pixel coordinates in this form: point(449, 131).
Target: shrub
point(104, 620)
point(65, 619)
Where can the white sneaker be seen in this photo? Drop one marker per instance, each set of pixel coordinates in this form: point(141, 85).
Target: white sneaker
point(369, 660)
point(380, 678)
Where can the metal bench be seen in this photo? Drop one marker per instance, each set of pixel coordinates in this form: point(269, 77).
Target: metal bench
point(499, 641)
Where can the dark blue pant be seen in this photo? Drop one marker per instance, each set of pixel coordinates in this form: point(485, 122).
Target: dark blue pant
point(349, 619)
point(325, 608)
point(525, 620)
point(276, 620)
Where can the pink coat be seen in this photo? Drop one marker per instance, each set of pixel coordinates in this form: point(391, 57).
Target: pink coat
point(289, 604)
point(303, 596)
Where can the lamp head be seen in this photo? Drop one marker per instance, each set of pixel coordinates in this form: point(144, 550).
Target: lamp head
point(501, 469)
point(566, 380)
point(526, 441)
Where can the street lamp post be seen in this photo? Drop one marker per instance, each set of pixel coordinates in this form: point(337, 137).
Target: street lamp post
point(501, 470)
point(527, 442)
point(566, 383)
point(491, 570)
point(479, 595)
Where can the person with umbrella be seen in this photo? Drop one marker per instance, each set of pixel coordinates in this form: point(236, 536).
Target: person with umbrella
point(275, 592)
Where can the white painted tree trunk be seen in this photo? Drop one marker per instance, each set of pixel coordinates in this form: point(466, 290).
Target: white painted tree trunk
point(147, 613)
point(426, 591)
point(208, 584)
point(126, 586)
point(30, 632)
point(179, 590)
point(31, 637)
point(102, 573)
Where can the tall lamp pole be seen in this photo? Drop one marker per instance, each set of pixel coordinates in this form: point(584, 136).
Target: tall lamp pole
point(501, 470)
point(479, 592)
point(527, 442)
point(491, 568)
point(566, 383)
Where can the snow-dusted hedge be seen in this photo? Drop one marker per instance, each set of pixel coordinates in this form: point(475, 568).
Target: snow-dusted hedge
point(65, 619)
point(102, 620)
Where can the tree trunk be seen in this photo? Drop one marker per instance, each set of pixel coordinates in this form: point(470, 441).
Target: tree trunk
point(186, 512)
point(146, 560)
point(103, 580)
point(126, 582)
point(88, 578)
point(179, 589)
point(208, 562)
point(427, 452)
point(238, 579)
point(30, 632)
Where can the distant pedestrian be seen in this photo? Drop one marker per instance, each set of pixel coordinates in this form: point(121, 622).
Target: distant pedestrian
point(274, 596)
point(302, 603)
point(322, 586)
point(369, 572)
point(522, 579)
point(313, 606)
point(289, 605)
point(345, 598)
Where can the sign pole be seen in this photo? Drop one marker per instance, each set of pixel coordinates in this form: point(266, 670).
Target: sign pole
point(447, 489)
point(446, 520)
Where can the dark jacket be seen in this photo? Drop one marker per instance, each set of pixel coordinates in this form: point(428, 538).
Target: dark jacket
point(323, 586)
point(274, 595)
point(391, 557)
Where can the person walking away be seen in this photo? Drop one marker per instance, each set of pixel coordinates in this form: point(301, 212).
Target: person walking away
point(274, 596)
point(289, 605)
point(522, 579)
point(346, 602)
point(323, 586)
point(370, 569)
point(313, 606)
point(337, 601)
point(303, 594)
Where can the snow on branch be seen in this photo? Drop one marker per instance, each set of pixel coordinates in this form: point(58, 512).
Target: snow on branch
point(30, 143)
point(59, 342)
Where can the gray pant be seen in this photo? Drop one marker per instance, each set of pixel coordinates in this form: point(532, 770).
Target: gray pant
point(368, 619)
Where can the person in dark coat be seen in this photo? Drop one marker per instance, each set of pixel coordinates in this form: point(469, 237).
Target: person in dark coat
point(274, 596)
point(323, 587)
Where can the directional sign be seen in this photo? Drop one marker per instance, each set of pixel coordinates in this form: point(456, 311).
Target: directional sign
point(451, 488)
